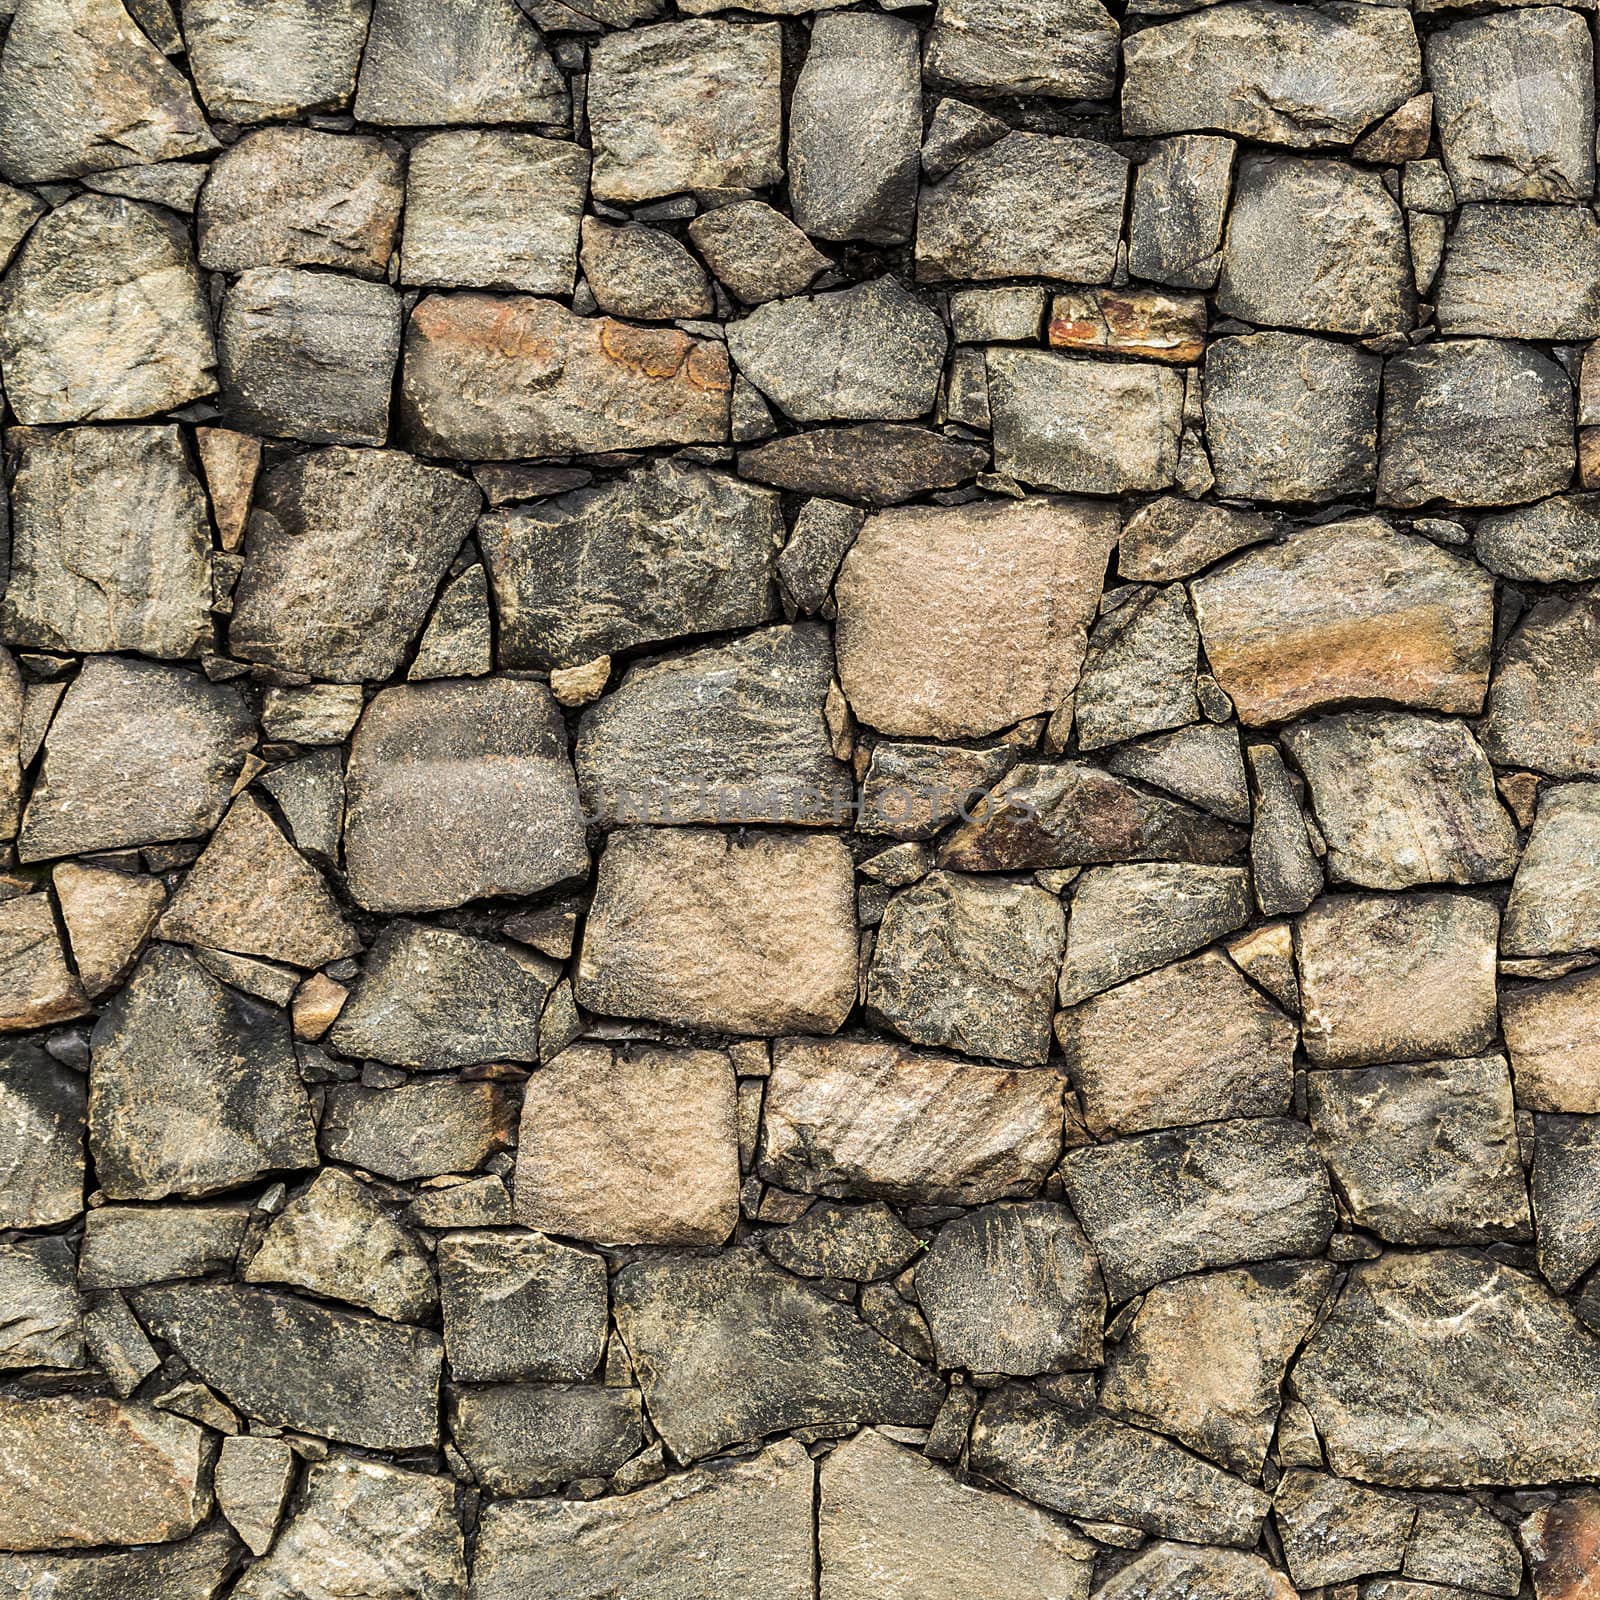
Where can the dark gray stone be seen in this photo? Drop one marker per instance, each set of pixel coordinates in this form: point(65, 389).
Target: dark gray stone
point(309, 794)
point(640, 272)
point(823, 531)
point(1555, 541)
point(458, 641)
point(1555, 899)
point(1202, 764)
point(1286, 874)
point(296, 1364)
point(527, 1438)
point(1458, 1542)
point(861, 1243)
point(42, 1323)
point(196, 1568)
point(1139, 669)
point(1065, 48)
point(1173, 537)
point(911, 791)
point(1566, 1196)
point(1334, 1531)
point(756, 251)
point(1180, 200)
point(42, 1107)
point(126, 1247)
point(956, 131)
point(1164, 1204)
point(258, 64)
point(1521, 272)
point(877, 464)
point(728, 1348)
point(1544, 699)
point(665, 551)
point(419, 1130)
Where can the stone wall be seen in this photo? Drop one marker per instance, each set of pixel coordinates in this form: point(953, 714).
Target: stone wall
point(800, 803)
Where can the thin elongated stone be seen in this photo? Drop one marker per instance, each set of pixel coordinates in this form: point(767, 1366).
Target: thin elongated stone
point(1180, 201)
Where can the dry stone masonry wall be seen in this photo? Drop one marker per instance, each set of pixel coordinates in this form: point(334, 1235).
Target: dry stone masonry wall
point(799, 802)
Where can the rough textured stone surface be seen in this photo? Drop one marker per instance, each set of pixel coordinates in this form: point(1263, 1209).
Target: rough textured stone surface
point(1521, 272)
point(527, 1438)
point(42, 1108)
point(1170, 1571)
point(196, 1568)
point(263, 63)
point(642, 272)
point(1065, 48)
point(877, 464)
point(862, 1243)
point(1542, 710)
point(252, 1479)
point(125, 1247)
point(1555, 899)
point(756, 251)
point(1555, 541)
point(1139, 670)
point(1333, 1530)
point(1174, 537)
point(1549, 1032)
point(1180, 202)
point(418, 1130)
point(37, 987)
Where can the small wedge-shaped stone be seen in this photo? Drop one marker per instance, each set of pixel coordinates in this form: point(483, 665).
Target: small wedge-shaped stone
point(1555, 900)
point(1522, 272)
point(83, 90)
point(1015, 1289)
point(1566, 1196)
point(1189, 1043)
point(110, 546)
point(193, 1086)
point(435, 770)
point(969, 963)
point(695, 927)
point(1126, 920)
point(363, 1527)
point(1555, 541)
point(958, 621)
point(870, 351)
point(1139, 670)
point(419, 1130)
point(730, 733)
point(37, 987)
point(252, 1478)
point(268, 62)
point(1202, 764)
point(1070, 814)
point(1095, 1469)
point(749, 1524)
point(1305, 76)
point(1351, 610)
point(756, 251)
point(1397, 977)
point(685, 105)
point(42, 1108)
point(1205, 1357)
point(337, 1240)
point(1192, 1572)
point(642, 272)
point(728, 1348)
point(1164, 1204)
point(137, 753)
point(1026, 206)
point(297, 1364)
point(437, 998)
point(881, 1120)
point(428, 61)
point(196, 1568)
point(662, 552)
point(81, 1472)
point(1403, 800)
point(1173, 537)
point(458, 641)
point(1544, 702)
point(1550, 1034)
point(1425, 1153)
point(1333, 1530)
point(343, 556)
point(876, 464)
point(501, 377)
point(252, 893)
point(1444, 1369)
point(102, 315)
point(893, 1526)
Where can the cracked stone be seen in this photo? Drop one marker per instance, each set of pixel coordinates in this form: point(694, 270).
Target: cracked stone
point(877, 464)
point(37, 987)
point(126, 1247)
point(196, 1568)
point(42, 1107)
point(1334, 1531)
point(1180, 200)
point(43, 1324)
point(1190, 1572)
point(1139, 670)
point(1555, 898)
point(529, 1438)
point(861, 1243)
point(1174, 537)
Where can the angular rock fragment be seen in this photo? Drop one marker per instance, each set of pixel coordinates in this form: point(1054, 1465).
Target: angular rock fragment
point(196, 1568)
point(1555, 541)
point(1549, 1030)
point(1294, 75)
point(309, 794)
point(756, 251)
point(892, 1526)
point(110, 548)
point(1292, 418)
point(432, 766)
point(309, 355)
point(1397, 977)
point(1205, 1356)
point(912, 790)
point(1164, 1204)
point(878, 1119)
point(193, 1087)
point(1333, 1531)
point(665, 551)
point(37, 987)
point(458, 641)
point(253, 894)
point(1014, 1289)
point(749, 1523)
point(635, 1146)
point(336, 1240)
point(267, 63)
point(1130, 322)
point(1192, 1572)
point(870, 351)
point(1285, 873)
point(528, 1438)
point(1425, 1153)
point(1350, 610)
point(520, 1306)
point(126, 1247)
point(878, 464)
point(1173, 537)
point(955, 131)
point(861, 1243)
point(297, 1364)
point(137, 753)
point(729, 1348)
point(293, 197)
point(1442, 1368)
point(1023, 580)
point(1514, 103)
point(365, 1528)
point(252, 1478)
point(1459, 1542)
point(969, 963)
point(1087, 427)
point(1403, 800)
point(1521, 272)
point(427, 62)
point(42, 1107)
point(855, 128)
point(1543, 708)
point(43, 1319)
point(102, 315)
point(1475, 422)
point(1065, 48)
point(437, 999)
point(823, 531)
point(1139, 670)
point(642, 272)
point(1095, 1469)
point(1025, 206)
point(1180, 199)
point(1069, 814)
point(418, 1130)
point(83, 90)
point(685, 105)
point(75, 1473)
point(495, 378)
point(1189, 1043)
